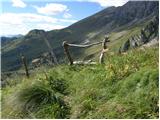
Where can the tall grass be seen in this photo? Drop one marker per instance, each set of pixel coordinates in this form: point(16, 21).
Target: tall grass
point(126, 86)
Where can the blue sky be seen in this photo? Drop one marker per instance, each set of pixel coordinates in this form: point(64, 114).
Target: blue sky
point(21, 16)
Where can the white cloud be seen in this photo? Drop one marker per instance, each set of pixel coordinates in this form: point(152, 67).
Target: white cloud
point(106, 3)
point(116, 3)
point(13, 29)
point(18, 3)
point(103, 3)
point(51, 9)
point(21, 23)
point(21, 18)
point(67, 15)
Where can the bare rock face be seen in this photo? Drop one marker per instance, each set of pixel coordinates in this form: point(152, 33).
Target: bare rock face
point(135, 11)
point(147, 34)
point(125, 47)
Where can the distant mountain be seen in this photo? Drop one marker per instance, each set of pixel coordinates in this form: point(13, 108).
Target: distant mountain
point(119, 22)
point(8, 38)
point(5, 40)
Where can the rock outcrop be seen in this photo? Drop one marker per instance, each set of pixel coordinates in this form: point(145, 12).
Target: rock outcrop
point(147, 34)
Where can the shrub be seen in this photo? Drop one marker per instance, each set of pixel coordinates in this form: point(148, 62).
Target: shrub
point(58, 85)
point(51, 111)
point(45, 96)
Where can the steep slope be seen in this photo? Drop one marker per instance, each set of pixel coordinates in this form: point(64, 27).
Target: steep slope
point(125, 87)
point(93, 28)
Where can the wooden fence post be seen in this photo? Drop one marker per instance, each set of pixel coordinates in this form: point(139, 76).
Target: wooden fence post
point(25, 65)
point(101, 58)
point(65, 46)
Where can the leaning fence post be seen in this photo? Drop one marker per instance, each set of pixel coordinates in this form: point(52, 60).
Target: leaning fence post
point(25, 65)
point(65, 46)
point(101, 58)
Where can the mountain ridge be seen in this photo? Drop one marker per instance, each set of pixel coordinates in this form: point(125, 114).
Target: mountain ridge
point(92, 28)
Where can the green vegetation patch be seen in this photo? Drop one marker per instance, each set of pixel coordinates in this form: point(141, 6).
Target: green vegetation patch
point(126, 86)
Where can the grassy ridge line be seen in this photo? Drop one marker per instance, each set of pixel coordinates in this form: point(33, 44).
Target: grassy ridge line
point(117, 40)
point(10, 50)
point(126, 86)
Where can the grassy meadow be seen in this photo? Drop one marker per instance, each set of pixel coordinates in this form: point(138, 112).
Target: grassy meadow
point(125, 86)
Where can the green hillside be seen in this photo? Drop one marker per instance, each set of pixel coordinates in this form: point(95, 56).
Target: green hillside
point(93, 28)
point(126, 86)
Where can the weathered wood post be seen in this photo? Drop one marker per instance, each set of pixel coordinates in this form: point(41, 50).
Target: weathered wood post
point(104, 49)
point(25, 65)
point(65, 46)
